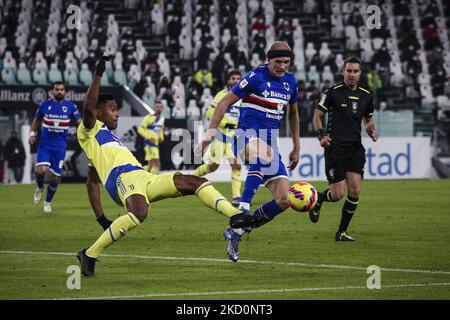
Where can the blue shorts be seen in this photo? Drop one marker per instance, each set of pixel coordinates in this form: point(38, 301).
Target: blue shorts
point(274, 170)
point(51, 156)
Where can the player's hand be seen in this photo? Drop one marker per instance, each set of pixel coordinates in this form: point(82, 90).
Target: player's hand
point(325, 141)
point(100, 67)
point(373, 135)
point(32, 140)
point(201, 147)
point(294, 157)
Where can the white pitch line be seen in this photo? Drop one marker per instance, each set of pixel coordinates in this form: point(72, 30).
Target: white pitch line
point(293, 264)
point(215, 293)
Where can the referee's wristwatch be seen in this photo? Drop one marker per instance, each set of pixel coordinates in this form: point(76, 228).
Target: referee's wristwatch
point(320, 133)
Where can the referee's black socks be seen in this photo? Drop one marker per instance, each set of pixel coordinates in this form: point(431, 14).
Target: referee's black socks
point(348, 210)
point(324, 196)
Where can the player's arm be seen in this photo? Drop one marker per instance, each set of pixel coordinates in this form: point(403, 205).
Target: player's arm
point(370, 128)
point(368, 121)
point(90, 101)
point(216, 118)
point(93, 190)
point(145, 132)
point(161, 135)
point(324, 105)
point(35, 125)
point(294, 128)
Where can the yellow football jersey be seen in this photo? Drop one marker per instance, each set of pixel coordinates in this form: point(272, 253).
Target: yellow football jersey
point(230, 119)
point(107, 154)
point(152, 127)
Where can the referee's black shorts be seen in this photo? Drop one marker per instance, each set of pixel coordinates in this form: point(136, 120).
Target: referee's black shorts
point(342, 158)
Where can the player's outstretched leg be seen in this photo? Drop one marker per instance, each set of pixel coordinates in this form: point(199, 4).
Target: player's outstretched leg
point(190, 184)
point(137, 212)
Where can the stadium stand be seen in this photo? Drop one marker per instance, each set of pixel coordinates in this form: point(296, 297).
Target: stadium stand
point(407, 59)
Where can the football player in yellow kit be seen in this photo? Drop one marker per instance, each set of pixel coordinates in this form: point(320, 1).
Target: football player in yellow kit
point(222, 145)
point(152, 129)
point(125, 179)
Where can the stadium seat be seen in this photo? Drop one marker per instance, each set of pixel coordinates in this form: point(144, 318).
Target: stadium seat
point(8, 76)
point(335, 7)
point(140, 50)
point(71, 62)
point(40, 76)
point(149, 97)
point(347, 7)
point(377, 43)
point(23, 74)
point(206, 99)
point(158, 20)
point(397, 76)
point(178, 112)
point(367, 51)
point(423, 79)
point(3, 45)
point(324, 52)
point(255, 61)
point(40, 61)
point(313, 75)
point(310, 51)
point(167, 113)
point(178, 87)
point(120, 76)
point(9, 62)
point(134, 73)
point(71, 77)
point(352, 40)
point(85, 75)
point(428, 99)
point(193, 111)
point(363, 32)
point(327, 74)
point(54, 74)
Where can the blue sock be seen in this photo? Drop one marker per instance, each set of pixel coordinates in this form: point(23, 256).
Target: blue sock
point(254, 179)
point(39, 180)
point(51, 189)
point(269, 209)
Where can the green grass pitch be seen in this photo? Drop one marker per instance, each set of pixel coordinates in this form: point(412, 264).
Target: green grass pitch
point(179, 252)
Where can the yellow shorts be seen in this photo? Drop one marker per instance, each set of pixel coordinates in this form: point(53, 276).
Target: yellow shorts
point(218, 149)
point(151, 153)
point(153, 187)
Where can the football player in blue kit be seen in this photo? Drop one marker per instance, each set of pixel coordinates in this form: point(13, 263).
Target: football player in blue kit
point(54, 117)
point(268, 92)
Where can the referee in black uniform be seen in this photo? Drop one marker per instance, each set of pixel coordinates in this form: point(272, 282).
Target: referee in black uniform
point(347, 104)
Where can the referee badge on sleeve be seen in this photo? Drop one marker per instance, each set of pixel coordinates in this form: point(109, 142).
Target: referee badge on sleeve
point(354, 106)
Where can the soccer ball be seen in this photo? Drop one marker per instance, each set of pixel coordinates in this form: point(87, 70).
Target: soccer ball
point(302, 196)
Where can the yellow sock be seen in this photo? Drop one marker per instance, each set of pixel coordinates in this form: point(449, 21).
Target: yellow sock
point(202, 170)
point(115, 231)
point(213, 199)
point(236, 183)
point(154, 170)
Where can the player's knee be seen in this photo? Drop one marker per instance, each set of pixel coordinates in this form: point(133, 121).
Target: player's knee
point(354, 192)
point(337, 195)
point(41, 170)
point(213, 167)
point(188, 184)
point(282, 202)
point(140, 213)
